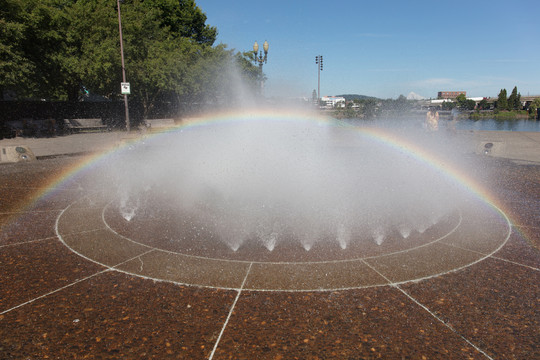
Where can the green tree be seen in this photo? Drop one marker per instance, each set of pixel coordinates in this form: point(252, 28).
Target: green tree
point(164, 40)
point(483, 105)
point(251, 74)
point(461, 101)
point(502, 101)
point(49, 48)
point(92, 48)
point(398, 106)
point(448, 105)
point(52, 48)
point(181, 18)
point(533, 108)
point(512, 99)
point(470, 104)
point(217, 74)
point(369, 108)
point(401, 103)
point(14, 67)
point(32, 38)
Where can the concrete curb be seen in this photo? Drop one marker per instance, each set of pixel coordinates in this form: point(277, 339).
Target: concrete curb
point(522, 147)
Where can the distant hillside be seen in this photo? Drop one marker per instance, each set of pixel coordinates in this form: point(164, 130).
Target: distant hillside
point(350, 97)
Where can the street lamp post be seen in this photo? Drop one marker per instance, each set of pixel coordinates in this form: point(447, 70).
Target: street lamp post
point(123, 65)
point(319, 62)
point(260, 59)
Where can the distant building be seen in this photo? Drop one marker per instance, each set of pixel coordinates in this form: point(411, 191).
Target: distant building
point(333, 101)
point(450, 94)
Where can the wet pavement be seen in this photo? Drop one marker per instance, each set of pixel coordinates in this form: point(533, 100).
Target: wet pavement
point(75, 284)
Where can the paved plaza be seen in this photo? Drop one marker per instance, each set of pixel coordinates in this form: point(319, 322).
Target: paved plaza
point(77, 282)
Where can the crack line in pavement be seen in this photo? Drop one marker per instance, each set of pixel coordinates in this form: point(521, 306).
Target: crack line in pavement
point(450, 327)
point(516, 263)
point(54, 291)
point(109, 268)
point(230, 313)
point(443, 322)
point(29, 241)
point(494, 257)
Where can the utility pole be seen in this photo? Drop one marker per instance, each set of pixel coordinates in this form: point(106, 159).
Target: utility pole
point(125, 85)
point(319, 62)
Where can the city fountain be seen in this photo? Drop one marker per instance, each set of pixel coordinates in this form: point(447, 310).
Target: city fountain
point(267, 198)
point(282, 179)
point(284, 201)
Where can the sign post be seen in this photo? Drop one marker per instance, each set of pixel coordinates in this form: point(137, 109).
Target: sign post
point(125, 88)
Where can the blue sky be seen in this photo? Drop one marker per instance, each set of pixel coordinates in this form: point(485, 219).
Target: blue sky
point(385, 48)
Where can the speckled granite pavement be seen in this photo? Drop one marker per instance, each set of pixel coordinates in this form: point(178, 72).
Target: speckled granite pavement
point(57, 304)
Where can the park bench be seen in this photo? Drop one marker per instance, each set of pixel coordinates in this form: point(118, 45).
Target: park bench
point(80, 125)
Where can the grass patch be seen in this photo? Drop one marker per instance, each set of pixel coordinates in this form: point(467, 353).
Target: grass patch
point(500, 115)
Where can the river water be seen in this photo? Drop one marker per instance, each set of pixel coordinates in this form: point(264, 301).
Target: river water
point(462, 124)
point(500, 125)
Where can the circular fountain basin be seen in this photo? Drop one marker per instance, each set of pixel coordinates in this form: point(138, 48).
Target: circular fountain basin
point(184, 250)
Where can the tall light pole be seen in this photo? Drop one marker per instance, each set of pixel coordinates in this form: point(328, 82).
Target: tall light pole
point(125, 88)
point(319, 62)
point(260, 59)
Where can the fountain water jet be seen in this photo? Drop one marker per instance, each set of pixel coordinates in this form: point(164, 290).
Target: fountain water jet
point(287, 179)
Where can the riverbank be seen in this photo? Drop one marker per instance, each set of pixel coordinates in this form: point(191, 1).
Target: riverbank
point(500, 115)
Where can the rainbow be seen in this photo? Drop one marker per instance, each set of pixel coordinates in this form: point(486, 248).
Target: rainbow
point(382, 136)
point(378, 135)
point(430, 159)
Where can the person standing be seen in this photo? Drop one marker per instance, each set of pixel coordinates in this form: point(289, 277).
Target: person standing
point(432, 120)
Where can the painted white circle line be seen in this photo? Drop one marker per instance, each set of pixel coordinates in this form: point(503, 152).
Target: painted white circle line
point(114, 268)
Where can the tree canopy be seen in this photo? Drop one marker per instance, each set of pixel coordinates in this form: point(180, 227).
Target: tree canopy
point(53, 49)
point(502, 101)
point(513, 102)
point(533, 108)
point(465, 104)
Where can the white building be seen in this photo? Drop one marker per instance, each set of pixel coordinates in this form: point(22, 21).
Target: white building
point(333, 101)
point(440, 101)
